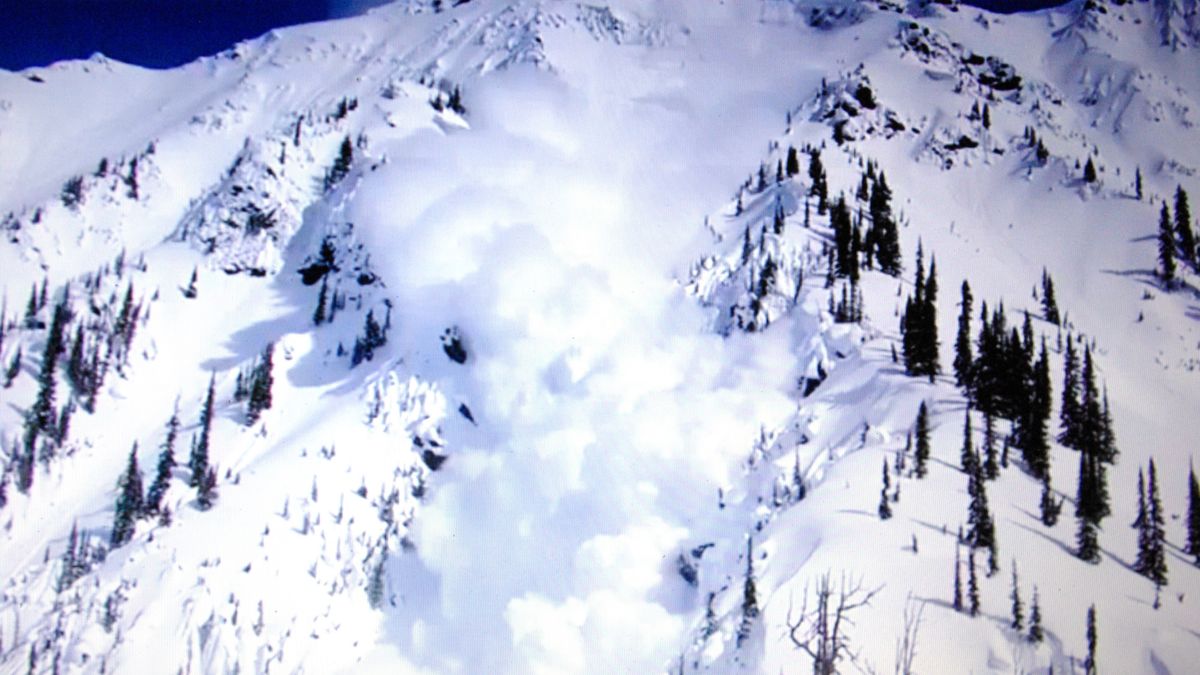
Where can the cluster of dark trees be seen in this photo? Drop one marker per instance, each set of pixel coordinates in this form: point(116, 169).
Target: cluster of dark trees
point(1176, 239)
point(341, 165)
point(254, 384)
point(918, 324)
point(86, 344)
point(133, 504)
point(374, 336)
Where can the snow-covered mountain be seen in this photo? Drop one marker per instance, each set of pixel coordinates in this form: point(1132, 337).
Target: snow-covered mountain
point(511, 337)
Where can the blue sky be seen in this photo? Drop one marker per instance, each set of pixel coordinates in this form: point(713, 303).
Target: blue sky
point(153, 33)
point(166, 33)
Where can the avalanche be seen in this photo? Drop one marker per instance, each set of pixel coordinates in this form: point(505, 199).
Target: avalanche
point(562, 377)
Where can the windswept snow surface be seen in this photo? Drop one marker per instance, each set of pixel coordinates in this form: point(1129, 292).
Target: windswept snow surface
point(575, 492)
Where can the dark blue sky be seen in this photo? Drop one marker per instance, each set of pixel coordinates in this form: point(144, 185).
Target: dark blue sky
point(154, 33)
point(165, 33)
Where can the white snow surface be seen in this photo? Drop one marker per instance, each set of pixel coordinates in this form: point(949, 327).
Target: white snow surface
point(577, 227)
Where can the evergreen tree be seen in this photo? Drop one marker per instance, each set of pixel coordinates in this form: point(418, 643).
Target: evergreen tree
point(972, 583)
point(1089, 663)
point(373, 337)
point(1049, 304)
point(198, 460)
point(963, 359)
point(1018, 609)
point(1183, 227)
point(1049, 506)
point(967, 457)
point(1034, 418)
point(843, 238)
point(1086, 509)
point(958, 595)
point(793, 162)
point(885, 240)
point(1152, 545)
point(341, 165)
point(166, 462)
point(14, 368)
point(260, 385)
point(1069, 412)
point(1035, 620)
point(206, 495)
point(190, 292)
point(982, 530)
point(885, 507)
point(1137, 183)
point(71, 561)
point(1140, 521)
point(1089, 172)
point(819, 187)
point(1166, 248)
point(749, 597)
point(990, 470)
point(922, 452)
point(1193, 517)
point(931, 361)
point(320, 313)
point(129, 501)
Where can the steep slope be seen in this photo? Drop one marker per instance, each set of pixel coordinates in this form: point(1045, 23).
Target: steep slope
point(534, 394)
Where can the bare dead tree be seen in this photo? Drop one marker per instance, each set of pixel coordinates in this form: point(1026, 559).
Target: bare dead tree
point(821, 632)
point(906, 644)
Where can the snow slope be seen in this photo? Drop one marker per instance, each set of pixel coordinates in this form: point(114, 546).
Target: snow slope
point(610, 439)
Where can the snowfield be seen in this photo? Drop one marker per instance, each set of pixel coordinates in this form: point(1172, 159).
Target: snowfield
point(534, 405)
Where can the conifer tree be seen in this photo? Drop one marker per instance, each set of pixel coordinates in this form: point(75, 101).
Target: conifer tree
point(166, 462)
point(1089, 172)
point(1069, 412)
point(1033, 416)
point(1137, 183)
point(1049, 303)
point(322, 299)
point(981, 531)
point(749, 597)
point(958, 596)
point(843, 238)
point(1018, 609)
point(967, 457)
point(191, 292)
point(1140, 521)
point(73, 563)
point(1049, 506)
point(1183, 227)
point(931, 361)
point(1089, 663)
point(1152, 554)
point(972, 583)
point(885, 507)
point(921, 454)
point(1193, 517)
point(129, 501)
point(198, 460)
point(819, 187)
point(206, 495)
point(793, 162)
point(260, 385)
point(885, 240)
point(1035, 620)
point(14, 368)
point(1086, 512)
point(341, 165)
point(1166, 248)
point(963, 359)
